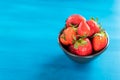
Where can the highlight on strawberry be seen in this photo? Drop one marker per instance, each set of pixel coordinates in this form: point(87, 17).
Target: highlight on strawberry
point(83, 37)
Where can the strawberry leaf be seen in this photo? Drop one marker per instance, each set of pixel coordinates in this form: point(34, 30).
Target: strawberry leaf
point(73, 25)
point(95, 19)
point(82, 42)
point(92, 18)
point(74, 28)
point(76, 45)
point(84, 36)
point(74, 38)
point(63, 36)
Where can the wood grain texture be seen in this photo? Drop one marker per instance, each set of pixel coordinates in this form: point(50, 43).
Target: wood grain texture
point(28, 40)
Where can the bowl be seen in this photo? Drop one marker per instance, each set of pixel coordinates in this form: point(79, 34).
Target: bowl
point(81, 59)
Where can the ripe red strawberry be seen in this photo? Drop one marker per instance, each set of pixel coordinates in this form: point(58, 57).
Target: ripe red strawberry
point(94, 27)
point(99, 41)
point(83, 29)
point(74, 20)
point(68, 36)
point(81, 47)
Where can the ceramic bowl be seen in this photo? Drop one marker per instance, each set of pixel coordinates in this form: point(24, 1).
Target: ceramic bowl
point(81, 59)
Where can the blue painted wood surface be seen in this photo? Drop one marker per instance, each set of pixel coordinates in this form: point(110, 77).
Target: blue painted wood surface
point(28, 40)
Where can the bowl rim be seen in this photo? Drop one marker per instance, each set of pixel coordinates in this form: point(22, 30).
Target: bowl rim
point(88, 56)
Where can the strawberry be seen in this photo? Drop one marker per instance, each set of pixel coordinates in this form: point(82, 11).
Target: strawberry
point(68, 36)
point(74, 20)
point(99, 41)
point(81, 47)
point(83, 29)
point(94, 27)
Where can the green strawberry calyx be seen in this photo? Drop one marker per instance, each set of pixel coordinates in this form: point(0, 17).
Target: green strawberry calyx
point(94, 19)
point(73, 25)
point(63, 36)
point(101, 33)
point(74, 39)
point(80, 42)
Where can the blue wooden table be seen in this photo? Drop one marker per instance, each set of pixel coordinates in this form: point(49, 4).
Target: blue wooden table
point(28, 40)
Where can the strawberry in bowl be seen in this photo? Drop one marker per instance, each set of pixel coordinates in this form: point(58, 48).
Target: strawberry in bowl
point(81, 39)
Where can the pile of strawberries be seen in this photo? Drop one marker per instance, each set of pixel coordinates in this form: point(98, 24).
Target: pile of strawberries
point(83, 37)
